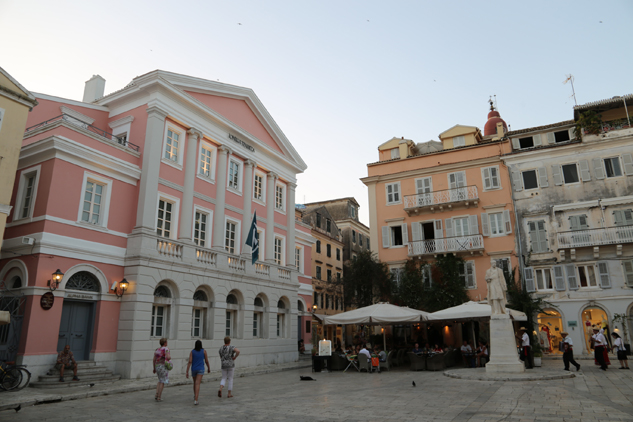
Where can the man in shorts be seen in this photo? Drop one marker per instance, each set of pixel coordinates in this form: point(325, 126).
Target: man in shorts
point(66, 360)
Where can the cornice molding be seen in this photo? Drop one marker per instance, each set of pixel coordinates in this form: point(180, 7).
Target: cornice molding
point(5, 209)
point(120, 122)
point(77, 115)
point(195, 133)
point(170, 184)
point(155, 110)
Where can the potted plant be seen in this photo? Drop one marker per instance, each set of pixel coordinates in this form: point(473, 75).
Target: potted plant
point(590, 121)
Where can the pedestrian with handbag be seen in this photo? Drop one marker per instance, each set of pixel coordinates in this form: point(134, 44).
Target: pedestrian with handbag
point(618, 345)
point(197, 359)
point(162, 365)
point(568, 352)
point(228, 354)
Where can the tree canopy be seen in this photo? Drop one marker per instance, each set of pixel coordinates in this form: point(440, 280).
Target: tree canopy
point(366, 281)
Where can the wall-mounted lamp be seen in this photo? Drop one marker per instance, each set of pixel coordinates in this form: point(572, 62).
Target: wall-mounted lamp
point(53, 283)
point(314, 308)
point(122, 287)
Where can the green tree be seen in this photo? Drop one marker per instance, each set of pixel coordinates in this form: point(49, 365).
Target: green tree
point(447, 287)
point(366, 281)
point(410, 290)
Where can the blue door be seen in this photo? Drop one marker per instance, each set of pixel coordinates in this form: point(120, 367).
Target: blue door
point(76, 328)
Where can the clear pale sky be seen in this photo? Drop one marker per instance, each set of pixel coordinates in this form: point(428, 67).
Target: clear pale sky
point(339, 77)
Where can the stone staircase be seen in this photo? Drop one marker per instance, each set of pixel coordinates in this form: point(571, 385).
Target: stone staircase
point(87, 371)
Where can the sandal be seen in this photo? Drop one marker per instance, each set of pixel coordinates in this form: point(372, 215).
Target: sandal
point(220, 393)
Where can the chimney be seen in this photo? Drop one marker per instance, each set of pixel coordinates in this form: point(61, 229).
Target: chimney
point(94, 89)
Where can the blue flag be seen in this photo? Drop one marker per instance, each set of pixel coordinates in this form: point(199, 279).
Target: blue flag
point(253, 239)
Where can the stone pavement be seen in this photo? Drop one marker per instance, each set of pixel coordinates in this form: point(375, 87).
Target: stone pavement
point(593, 395)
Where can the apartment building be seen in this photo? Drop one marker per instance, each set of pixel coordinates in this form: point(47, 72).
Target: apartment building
point(448, 197)
point(130, 217)
point(574, 198)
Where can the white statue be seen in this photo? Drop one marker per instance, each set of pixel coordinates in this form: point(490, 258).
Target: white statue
point(496, 289)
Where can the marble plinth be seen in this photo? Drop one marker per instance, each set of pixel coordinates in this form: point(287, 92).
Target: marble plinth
point(503, 349)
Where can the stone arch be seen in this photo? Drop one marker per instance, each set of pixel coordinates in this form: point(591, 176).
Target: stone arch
point(14, 268)
point(302, 307)
point(283, 303)
point(237, 294)
point(584, 309)
point(169, 284)
point(264, 299)
point(94, 271)
point(208, 291)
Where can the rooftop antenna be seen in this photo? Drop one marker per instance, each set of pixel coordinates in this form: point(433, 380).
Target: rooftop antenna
point(570, 78)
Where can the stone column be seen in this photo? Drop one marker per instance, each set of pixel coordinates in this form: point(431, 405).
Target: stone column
point(220, 199)
point(249, 165)
point(191, 163)
point(270, 216)
point(290, 222)
point(148, 185)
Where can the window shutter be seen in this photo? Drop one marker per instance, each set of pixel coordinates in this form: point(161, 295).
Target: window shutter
point(452, 182)
point(582, 222)
point(628, 272)
point(506, 220)
point(537, 140)
point(485, 224)
point(494, 177)
point(473, 224)
point(598, 170)
point(571, 277)
point(585, 176)
point(551, 139)
point(419, 186)
point(559, 278)
point(628, 217)
point(603, 271)
point(542, 236)
point(572, 133)
point(516, 181)
point(619, 217)
point(515, 143)
point(405, 234)
point(470, 274)
point(428, 184)
point(439, 233)
point(416, 232)
point(485, 174)
point(449, 227)
point(542, 177)
point(628, 164)
point(533, 236)
point(385, 236)
point(389, 193)
point(396, 192)
point(461, 179)
point(529, 279)
point(557, 174)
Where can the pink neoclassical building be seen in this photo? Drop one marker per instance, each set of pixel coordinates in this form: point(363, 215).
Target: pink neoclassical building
point(143, 199)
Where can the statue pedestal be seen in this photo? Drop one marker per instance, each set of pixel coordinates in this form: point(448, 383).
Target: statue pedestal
point(503, 350)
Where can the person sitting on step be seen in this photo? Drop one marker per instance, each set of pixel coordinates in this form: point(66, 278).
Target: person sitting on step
point(66, 360)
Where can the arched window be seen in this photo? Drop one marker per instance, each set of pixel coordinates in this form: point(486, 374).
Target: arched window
point(281, 304)
point(259, 302)
point(162, 291)
point(84, 281)
point(231, 299)
point(17, 283)
point(200, 295)
point(300, 306)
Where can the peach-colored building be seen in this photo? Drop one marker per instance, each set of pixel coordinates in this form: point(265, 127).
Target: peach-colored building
point(156, 185)
point(447, 197)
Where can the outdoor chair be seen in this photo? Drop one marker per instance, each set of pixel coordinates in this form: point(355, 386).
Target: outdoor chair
point(418, 363)
point(388, 362)
point(435, 362)
point(339, 362)
point(364, 363)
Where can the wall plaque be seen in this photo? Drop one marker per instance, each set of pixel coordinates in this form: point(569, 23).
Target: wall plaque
point(47, 300)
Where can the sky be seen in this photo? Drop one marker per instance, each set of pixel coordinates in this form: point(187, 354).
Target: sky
point(339, 77)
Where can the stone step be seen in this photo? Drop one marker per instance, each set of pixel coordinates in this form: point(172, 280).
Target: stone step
point(86, 370)
point(85, 382)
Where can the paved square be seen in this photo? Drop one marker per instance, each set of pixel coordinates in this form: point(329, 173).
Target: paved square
point(353, 396)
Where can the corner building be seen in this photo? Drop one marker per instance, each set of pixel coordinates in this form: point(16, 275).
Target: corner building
point(157, 184)
point(436, 198)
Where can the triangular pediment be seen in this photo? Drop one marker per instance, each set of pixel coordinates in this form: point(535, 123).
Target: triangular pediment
point(458, 130)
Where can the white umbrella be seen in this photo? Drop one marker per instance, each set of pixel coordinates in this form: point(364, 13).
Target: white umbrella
point(472, 310)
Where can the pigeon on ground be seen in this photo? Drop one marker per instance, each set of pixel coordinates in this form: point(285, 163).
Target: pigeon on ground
point(302, 378)
point(413, 382)
point(92, 385)
point(17, 409)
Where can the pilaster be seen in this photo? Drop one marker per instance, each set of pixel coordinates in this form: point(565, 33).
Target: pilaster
point(249, 166)
point(220, 199)
point(270, 216)
point(186, 216)
point(290, 223)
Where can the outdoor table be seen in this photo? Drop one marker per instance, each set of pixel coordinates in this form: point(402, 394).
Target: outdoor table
point(318, 362)
point(352, 362)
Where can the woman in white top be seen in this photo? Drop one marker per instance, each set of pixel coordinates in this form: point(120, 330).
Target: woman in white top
point(618, 345)
point(482, 352)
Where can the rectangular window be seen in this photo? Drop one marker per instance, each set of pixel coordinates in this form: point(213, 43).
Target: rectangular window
point(207, 159)
point(504, 264)
point(258, 188)
point(27, 196)
point(396, 236)
point(623, 218)
point(200, 229)
point(329, 250)
point(396, 276)
point(172, 146)
point(158, 321)
point(338, 276)
point(490, 177)
point(318, 272)
point(280, 325)
point(196, 323)
point(338, 254)
point(395, 153)
point(234, 175)
point(538, 236)
point(612, 167)
point(570, 173)
point(360, 240)
point(255, 325)
point(279, 197)
point(298, 258)
point(460, 227)
point(627, 267)
point(544, 279)
point(354, 236)
point(393, 193)
point(93, 195)
point(496, 223)
point(367, 243)
point(561, 136)
point(278, 250)
point(229, 239)
point(459, 141)
point(467, 274)
point(229, 324)
point(530, 179)
point(328, 226)
point(527, 142)
point(329, 275)
point(318, 220)
point(352, 211)
point(318, 246)
point(587, 276)
point(163, 224)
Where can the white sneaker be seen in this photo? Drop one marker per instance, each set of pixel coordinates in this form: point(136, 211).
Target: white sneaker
point(195, 402)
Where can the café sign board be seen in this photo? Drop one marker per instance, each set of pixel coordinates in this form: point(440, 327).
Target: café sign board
point(47, 300)
point(82, 296)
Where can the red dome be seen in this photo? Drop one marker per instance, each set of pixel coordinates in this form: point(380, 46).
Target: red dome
point(490, 127)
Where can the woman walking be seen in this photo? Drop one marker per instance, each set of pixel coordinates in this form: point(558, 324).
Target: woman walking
point(618, 345)
point(161, 355)
point(197, 359)
point(228, 354)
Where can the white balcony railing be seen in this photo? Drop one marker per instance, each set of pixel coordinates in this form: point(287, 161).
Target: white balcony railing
point(206, 257)
point(169, 248)
point(468, 193)
point(449, 244)
point(283, 273)
point(236, 263)
point(262, 268)
point(595, 237)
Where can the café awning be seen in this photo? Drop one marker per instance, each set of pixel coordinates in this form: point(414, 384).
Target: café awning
point(377, 314)
point(472, 310)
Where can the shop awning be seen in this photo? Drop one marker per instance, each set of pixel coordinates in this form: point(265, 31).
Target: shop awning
point(377, 314)
point(472, 310)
